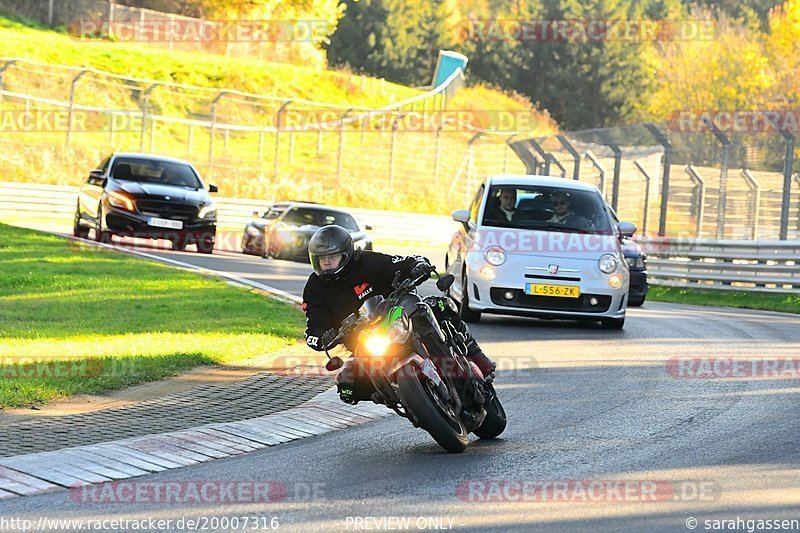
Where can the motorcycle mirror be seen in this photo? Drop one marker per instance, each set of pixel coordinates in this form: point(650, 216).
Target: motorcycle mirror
point(335, 363)
point(445, 282)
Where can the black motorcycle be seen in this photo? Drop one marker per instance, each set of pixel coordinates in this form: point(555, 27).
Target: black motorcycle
point(419, 367)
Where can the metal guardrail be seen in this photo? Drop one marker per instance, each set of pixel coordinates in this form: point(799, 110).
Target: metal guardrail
point(58, 204)
point(762, 266)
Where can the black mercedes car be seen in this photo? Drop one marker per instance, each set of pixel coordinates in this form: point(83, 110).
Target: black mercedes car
point(284, 230)
point(147, 196)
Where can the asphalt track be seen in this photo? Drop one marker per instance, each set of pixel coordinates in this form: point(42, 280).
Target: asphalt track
point(584, 404)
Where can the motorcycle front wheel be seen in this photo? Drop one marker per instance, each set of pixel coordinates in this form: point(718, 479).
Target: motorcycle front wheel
point(434, 415)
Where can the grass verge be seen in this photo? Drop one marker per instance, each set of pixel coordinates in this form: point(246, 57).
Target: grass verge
point(785, 303)
point(75, 319)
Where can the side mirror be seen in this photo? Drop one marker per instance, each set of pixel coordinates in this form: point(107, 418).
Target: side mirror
point(96, 177)
point(334, 363)
point(627, 229)
point(461, 215)
point(212, 188)
point(368, 228)
point(444, 282)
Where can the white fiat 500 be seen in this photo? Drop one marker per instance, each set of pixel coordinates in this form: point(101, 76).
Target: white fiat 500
point(539, 246)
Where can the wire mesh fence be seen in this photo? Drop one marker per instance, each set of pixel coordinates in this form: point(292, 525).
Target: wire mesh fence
point(700, 184)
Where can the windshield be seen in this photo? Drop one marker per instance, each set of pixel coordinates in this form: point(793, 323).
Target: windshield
point(154, 171)
point(547, 209)
point(301, 216)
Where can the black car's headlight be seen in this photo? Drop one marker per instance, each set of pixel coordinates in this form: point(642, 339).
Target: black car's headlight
point(208, 211)
point(634, 261)
point(252, 231)
point(119, 201)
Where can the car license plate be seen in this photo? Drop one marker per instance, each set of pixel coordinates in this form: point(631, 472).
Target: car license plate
point(561, 291)
point(164, 223)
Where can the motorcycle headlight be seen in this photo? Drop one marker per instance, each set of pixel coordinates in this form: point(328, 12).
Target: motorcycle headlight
point(608, 263)
point(377, 344)
point(118, 200)
point(207, 211)
point(251, 230)
point(495, 255)
point(635, 261)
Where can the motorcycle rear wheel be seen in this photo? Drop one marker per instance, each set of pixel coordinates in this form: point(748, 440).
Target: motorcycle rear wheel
point(495, 422)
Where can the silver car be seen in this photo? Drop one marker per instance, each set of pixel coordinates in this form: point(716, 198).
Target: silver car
point(539, 246)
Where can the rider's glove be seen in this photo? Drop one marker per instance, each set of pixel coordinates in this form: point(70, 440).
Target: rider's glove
point(422, 270)
point(328, 338)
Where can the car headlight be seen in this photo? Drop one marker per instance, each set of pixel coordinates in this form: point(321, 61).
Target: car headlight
point(634, 261)
point(118, 200)
point(377, 344)
point(208, 211)
point(252, 230)
point(495, 255)
point(608, 263)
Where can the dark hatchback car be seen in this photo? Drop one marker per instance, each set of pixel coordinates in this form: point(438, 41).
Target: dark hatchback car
point(147, 196)
point(284, 230)
point(637, 265)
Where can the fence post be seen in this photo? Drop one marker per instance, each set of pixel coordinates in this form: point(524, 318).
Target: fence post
point(506, 148)
point(723, 182)
point(211, 131)
point(552, 159)
point(364, 127)
point(319, 141)
point(545, 160)
point(111, 9)
point(576, 157)
point(260, 147)
point(152, 135)
point(2, 73)
point(788, 160)
point(755, 190)
point(340, 154)
point(72, 106)
point(291, 147)
point(145, 106)
point(701, 184)
point(50, 12)
point(278, 136)
point(225, 143)
point(391, 152)
point(600, 168)
point(666, 162)
point(140, 31)
point(646, 195)
point(111, 131)
point(617, 167)
point(191, 138)
point(470, 185)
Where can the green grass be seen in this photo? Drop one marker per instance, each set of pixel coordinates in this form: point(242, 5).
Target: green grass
point(75, 319)
point(194, 68)
point(785, 303)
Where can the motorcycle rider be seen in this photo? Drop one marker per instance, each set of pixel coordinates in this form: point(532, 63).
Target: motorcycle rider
point(342, 279)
